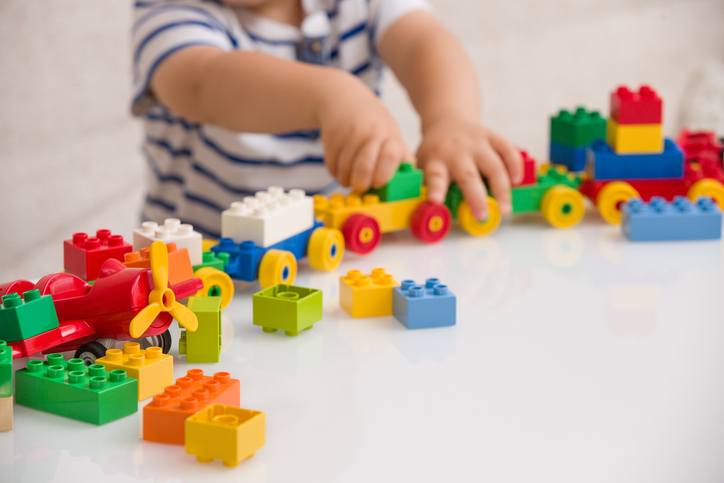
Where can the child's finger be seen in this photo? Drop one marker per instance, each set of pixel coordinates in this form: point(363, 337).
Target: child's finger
point(331, 155)
point(363, 165)
point(345, 159)
point(494, 171)
point(511, 156)
point(390, 156)
point(437, 180)
point(467, 175)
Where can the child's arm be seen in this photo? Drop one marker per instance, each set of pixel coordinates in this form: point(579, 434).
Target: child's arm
point(254, 92)
point(438, 76)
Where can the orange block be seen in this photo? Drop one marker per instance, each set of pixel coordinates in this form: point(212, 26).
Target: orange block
point(179, 263)
point(164, 417)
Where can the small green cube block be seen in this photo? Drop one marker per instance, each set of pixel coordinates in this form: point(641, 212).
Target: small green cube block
point(211, 259)
point(23, 318)
point(577, 129)
point(288, 308)
point(204, 344)
point(528, 198)
point(405, 184)
point(6, 370)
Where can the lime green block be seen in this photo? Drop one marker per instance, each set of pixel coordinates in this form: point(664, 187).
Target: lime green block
point(6, 370)
point(210, 259)
point(405, 184)
point(527, 199)
point(74, 390)
point(204, 344)
point(577, 129)
point(288, 308)
point(23, 318)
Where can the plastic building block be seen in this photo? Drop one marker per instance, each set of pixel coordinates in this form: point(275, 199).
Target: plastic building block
point(680, 220)
point(150, 367)
point(288, 308)
point(577, 129)
point(179, 263)
point(204, 344)
point(84, 256)
point(6, 370)
point(529, 171)
point(172, 231)
point(642, 107)
point(605, 164)
point(22, 318)
point(269, 217)
point(572, 158)
point(635, 138)
point(696, 143)
point(405, 184)
point(211, 259)
point(164, 416)
point(421, 307)
point(527, 199)
point(6, 413)
point(77, 391)
point(367, 295)
point(227, 433)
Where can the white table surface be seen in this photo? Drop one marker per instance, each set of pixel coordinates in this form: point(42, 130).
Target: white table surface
point(577, 357)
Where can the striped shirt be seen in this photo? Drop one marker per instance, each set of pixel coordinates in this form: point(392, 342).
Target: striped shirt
point(197, 170)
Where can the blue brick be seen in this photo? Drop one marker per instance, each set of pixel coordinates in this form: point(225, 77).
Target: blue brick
point(680, 220)
point(572, 158)
point(421, 307)
point(604, 163)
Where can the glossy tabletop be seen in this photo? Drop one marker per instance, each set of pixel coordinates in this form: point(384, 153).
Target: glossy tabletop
point(577, 357)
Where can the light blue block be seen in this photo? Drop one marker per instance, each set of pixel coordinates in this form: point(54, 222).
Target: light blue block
point(605, 164)
point(423, 306)
point(680, 220)
point(572, 158)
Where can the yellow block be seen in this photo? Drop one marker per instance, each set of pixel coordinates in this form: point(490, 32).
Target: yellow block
point(367, 295)
point(227, 433)
point(150, 367)
point(635, 138)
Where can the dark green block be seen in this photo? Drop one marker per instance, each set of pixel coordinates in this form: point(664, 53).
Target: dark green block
point(6, 370)
point(577, 129)
point(405, 184)
point(212, 260)
point(77, 391)
point(22, 318)
point(527, 199)
point(453, 199)
point(288, 308)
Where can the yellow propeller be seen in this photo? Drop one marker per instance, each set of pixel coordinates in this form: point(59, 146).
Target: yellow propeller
point(161, 298)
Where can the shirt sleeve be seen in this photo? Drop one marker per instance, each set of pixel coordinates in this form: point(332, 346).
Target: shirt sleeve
point(162, 28)
point(384, 13)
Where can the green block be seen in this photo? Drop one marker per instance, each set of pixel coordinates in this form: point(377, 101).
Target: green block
point(6, 370)
point(288, 308)
point(210, 259)
point(526, 199)
point(405, 184)
point(23, 318)
point(204, 344)
point(578, 129)
point(77, 391)
point(453, 199)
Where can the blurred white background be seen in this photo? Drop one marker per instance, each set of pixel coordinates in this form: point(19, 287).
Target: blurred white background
point(69, 150)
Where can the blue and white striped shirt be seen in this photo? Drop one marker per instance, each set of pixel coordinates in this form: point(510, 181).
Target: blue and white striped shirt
point(197, 170)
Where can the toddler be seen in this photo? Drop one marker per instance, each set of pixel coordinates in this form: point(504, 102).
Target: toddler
point(240, 95)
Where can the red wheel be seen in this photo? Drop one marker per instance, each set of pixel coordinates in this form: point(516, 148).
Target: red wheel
point(430, 223)
point(361, 233)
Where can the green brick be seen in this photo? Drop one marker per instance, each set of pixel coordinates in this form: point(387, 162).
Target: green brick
point(74, 390)
point(212, 260)
point(405, 184)
point(578, 129)
point(288, 308)
point(453, 199)
point(204, 344)
point(6, 370)
point(526, 199)
point(22, 318)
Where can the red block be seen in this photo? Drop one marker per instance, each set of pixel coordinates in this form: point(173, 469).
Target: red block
point(84, 256)
point(642, 107)
point(697, 143)
point(529, 176)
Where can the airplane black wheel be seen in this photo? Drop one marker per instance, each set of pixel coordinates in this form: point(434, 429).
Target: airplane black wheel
point(90, 352)
point(164, 341)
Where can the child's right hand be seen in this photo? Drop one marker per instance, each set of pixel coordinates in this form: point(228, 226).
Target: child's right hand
point(362, 142)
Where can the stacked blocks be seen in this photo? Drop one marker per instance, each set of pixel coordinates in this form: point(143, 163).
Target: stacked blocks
point(288, 308)
point(605, 164)
point(635, 123)
point(228, 433)
point(179, 263)
point(367, 295)
point(77, 391)
point(164, 417)
point(405, 184)
point(6, 387)
point(150, 367)
point(571, 133)
point(204, 344)
point(84, 256)
point(268, 218)
point(23, 318)
point(172, 231)
point(421, 307)
point(680, 220)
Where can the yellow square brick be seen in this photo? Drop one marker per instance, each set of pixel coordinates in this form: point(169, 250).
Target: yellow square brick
point(150, 367)
point(635, 138)
point(367, 295)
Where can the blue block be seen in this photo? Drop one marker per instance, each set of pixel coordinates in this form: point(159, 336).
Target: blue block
point(604, 163)
point(680, 220)
point(572, 158)
point(422, 307)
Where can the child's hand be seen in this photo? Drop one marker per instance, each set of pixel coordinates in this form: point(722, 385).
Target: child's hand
point(462, 150)
point(362, 142)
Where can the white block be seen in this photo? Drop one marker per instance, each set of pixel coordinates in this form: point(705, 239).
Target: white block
point(172, 231)
point(269, 217)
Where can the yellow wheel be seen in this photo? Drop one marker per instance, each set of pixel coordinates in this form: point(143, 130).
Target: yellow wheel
point(611, 196)
point(216, 284)
point(562, 206)
point(277, 266)
point(326, 248)
point(707, 187)
point(207, 244)
point(475, 227)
